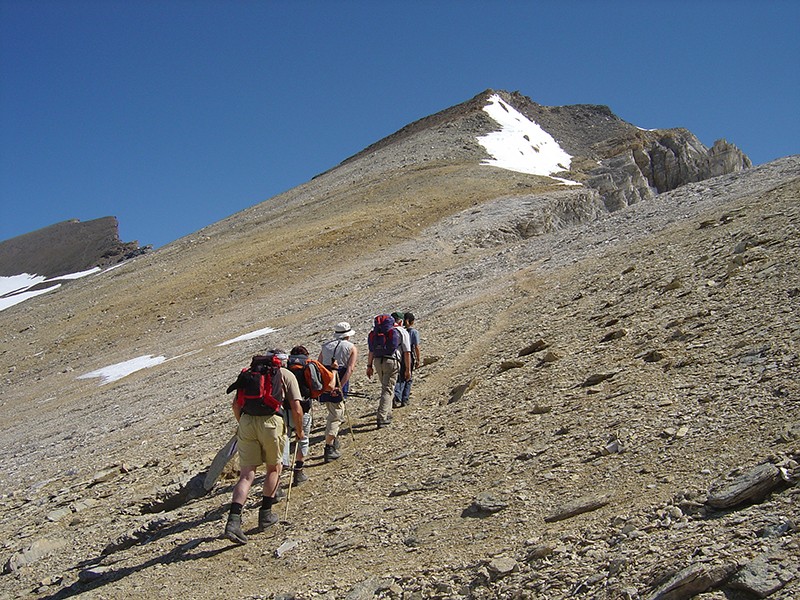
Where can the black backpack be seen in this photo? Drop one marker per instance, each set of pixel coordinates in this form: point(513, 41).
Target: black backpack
point(254, 386)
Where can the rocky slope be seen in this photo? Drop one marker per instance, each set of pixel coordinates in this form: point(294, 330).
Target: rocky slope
point(608, 407)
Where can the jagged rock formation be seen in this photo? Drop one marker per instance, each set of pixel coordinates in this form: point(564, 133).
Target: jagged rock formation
point(67, 247)
point(607, 406)
point(626, 164)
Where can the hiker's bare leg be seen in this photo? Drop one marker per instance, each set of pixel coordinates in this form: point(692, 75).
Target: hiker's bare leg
point(272, 480)
point(246, 477)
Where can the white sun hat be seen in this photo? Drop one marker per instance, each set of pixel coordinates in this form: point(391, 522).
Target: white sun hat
point(342, 330)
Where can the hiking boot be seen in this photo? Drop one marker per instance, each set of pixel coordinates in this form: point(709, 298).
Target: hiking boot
point(233, 529)
point(396, 402)
point(279, 494)
point(299, 477)
point(336, 443)
point(331, 453)
point(382, 424)
point(266, 518)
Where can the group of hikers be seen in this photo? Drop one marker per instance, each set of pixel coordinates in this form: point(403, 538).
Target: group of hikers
point(275, 394)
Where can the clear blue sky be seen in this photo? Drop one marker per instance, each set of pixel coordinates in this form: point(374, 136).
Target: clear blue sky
point(173, 114)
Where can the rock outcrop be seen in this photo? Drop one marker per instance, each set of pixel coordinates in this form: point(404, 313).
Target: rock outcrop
point(67, 247)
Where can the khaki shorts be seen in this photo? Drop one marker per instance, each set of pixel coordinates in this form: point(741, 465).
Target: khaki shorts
point(261, 440)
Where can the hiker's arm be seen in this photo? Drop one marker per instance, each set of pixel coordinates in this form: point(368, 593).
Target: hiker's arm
point(237, 410)
point(351, 365)
point(297, 418)
point(292, 391)
point(407, 361)
point(370, 358)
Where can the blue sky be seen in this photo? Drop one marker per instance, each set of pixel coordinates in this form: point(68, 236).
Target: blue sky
point(173, 114)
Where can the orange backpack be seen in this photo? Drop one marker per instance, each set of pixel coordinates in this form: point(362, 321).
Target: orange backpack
point(319, 378)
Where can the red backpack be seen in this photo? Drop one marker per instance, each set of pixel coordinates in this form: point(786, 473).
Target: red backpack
point(255, 386)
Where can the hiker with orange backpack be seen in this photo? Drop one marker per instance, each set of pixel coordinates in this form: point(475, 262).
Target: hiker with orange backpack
point(340, 355)
point(258, 407)
point(297, 362)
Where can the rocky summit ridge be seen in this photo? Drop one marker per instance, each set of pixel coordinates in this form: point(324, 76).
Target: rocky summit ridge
point(67, 247)
point(607, 409)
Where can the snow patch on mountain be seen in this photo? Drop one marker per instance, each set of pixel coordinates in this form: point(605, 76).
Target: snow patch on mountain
point(17, 288)
point(249, 336)
point(117, 371)
point(522, 145)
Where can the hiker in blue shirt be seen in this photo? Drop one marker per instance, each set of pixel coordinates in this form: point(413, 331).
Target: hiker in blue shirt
point(402, 389)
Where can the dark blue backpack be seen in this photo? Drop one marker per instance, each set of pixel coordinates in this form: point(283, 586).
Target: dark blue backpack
point(384, 339)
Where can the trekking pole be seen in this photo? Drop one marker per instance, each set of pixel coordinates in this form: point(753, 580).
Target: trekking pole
point(291, 479)
point(345, 411)
point(349, 423)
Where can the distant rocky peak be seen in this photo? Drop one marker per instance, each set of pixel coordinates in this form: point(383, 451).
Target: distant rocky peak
point(67, 247)
point(623, 163)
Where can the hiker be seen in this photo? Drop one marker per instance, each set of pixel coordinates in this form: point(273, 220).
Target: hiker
point(402, 390)
point(389, 353)
point(339, 354)
point(297, 359)
point(261, 435)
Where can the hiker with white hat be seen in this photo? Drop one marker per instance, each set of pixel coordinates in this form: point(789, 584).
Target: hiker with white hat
point(339, 354)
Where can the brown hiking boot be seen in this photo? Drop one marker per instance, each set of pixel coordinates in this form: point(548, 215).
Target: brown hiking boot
point(299, 477)
point(233, 529)
point(331, 453)
point(266, 518)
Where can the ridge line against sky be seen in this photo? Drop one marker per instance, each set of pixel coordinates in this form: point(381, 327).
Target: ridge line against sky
point(174, 115)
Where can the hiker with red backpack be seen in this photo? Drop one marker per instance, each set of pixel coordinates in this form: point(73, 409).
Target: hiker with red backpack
point(389, 354)
point(258, 407)
point(339, 355)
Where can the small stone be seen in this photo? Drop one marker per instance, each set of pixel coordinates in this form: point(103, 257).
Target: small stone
point(507, 365)
point(577, 507)
point(550, 357)
point(485, 504)
point(502, 566)
point(285, 547)
point(536, 346)
point(58, 514)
